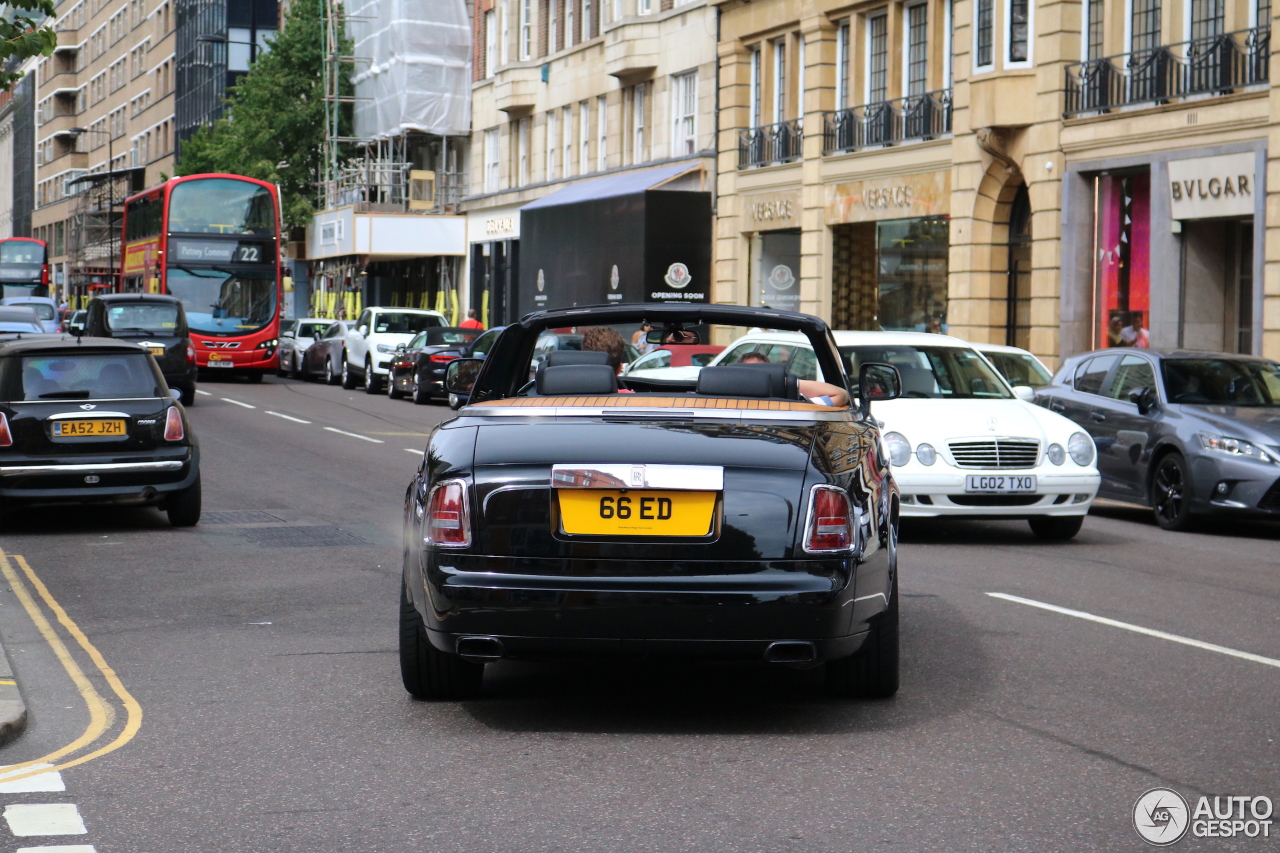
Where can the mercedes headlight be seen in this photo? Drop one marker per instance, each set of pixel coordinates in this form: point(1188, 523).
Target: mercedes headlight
point(899, 448)
point(925, 454)
point(1056, 454)
point(1081, 449)
point(1235, 447)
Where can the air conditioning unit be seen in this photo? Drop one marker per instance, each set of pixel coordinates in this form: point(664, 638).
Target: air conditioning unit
point(422, 189)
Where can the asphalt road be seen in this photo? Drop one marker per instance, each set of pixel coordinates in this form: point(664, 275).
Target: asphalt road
point(270, 717)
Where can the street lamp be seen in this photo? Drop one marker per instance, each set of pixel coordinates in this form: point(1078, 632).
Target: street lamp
point(111, 190)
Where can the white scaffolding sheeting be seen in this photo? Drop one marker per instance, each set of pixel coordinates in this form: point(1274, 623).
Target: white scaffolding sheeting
point(419, 71)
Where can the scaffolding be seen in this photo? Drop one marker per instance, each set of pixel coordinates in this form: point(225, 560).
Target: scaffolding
point(93, 229)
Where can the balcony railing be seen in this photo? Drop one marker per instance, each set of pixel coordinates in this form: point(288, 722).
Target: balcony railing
point(771, 143)
point(1208, 65)
point(913, 117)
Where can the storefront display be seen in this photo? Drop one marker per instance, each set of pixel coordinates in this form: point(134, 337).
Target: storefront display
point(891, 275)
point(776, 272)
point(1122, 278)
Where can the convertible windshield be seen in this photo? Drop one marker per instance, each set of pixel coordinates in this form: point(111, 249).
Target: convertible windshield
point(224, 302)
point(948, 373)
point(446, 335)
point(1222, 381)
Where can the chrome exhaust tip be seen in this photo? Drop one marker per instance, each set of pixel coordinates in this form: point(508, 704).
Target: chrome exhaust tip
point(791, 651)
point(480, 649)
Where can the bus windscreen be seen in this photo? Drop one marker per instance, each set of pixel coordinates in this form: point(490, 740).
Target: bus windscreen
point(22, 268)
point(224, 301)
point(221, 206)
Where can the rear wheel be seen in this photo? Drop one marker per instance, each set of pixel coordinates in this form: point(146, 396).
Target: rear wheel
point(348, 378)
point(1171, 494)
point(1056, 528)
point(371, 383)
point(871, 672)
point(331, 373)
point(188, 395)
point(183, 507)
point(427, 672)
point(295, 368)
point(420, 395)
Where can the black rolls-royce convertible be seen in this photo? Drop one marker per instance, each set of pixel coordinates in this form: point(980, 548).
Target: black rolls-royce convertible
point(586, 513)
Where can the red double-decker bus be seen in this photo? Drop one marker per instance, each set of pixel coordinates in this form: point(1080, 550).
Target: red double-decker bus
point(24, 267)
point(213, 241)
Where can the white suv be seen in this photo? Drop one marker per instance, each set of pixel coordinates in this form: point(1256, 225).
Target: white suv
point(371, 343)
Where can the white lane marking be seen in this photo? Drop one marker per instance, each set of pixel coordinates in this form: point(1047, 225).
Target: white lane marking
point(238, 403)
point(289, 418)
point(204, 393)
point(61, 848)
point(44, 819)
point(413, 451)
point(42, 783)
point(355, 435)
point(1138, 629)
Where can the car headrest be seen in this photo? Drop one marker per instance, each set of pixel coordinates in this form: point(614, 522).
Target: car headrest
point(726, 381)
point(577, 379)
point(564, 357)
point(782, 384)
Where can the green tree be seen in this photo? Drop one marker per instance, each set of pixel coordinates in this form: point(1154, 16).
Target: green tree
point(274, 119)
point(22, 36)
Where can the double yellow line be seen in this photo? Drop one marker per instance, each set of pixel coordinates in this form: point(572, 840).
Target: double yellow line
point(102, 714)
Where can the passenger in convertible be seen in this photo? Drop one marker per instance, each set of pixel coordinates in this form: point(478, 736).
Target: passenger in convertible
point(821, 393)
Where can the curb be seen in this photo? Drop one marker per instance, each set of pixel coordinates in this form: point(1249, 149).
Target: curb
point(13, 710)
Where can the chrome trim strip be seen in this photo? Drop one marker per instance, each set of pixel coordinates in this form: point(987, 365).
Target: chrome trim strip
point(113, 467)
point(88, 414)
point(689, 478)
point(484, 507)
point(91, 400)
point(640, 413)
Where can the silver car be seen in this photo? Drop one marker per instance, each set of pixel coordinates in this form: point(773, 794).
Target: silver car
point(295, 338)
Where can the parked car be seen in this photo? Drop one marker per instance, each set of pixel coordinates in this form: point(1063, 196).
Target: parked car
point(323, 358)
point(733, 521)
point(963, 444)
point(73, 321)
point(1019, 368)
point(673, 362)
point(419, 370)
point(19, 319)
point(372, 342)
point(90, 420)
point(155, 322)
point(45, 308)
point(294, 340)
point(1188, 434)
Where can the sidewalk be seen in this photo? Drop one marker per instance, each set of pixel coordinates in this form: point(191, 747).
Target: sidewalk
point(13, 711)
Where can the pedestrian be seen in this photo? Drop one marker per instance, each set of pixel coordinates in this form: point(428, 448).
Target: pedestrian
point(471, 322)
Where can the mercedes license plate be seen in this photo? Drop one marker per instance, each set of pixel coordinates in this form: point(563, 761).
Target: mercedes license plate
point(999, 484)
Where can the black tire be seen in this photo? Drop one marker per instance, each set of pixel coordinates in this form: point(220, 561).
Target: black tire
point(256, 377)
point(872, 671)
point(331, 374)
point(372, 385)
point(188, 397)
point(295, 368)
point(1056, 528)
point(1171, 493)
point(427, 672)
point(183, 507)
point(420, 394)
point(348, 378)
point(392, 391)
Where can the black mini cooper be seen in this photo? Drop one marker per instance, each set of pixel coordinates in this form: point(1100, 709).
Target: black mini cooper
point(90, 420)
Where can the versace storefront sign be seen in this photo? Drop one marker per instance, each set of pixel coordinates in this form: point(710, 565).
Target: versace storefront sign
point(901, 197)
point(771, 211)
point(1209, 187)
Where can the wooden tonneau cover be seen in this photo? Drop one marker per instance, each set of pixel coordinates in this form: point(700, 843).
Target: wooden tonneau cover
point(626, 400)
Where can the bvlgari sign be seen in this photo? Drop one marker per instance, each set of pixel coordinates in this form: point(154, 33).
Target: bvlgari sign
point(1208, 187)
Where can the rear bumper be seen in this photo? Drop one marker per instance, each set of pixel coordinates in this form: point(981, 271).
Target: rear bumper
point(142, 480)
point(541, 648)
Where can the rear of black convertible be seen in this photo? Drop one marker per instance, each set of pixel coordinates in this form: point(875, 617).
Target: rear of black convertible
point(651, 529)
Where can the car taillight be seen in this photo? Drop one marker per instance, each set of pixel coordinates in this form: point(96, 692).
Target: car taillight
point(442, 358)
point(6, 437)
point(173, 430)
point(191, 354)
point(448, 522)
point(830, 526)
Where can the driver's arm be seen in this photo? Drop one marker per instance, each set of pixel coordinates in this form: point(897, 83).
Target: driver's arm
point(813, 389)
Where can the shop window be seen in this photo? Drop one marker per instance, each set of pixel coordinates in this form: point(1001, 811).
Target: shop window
point(1122, 277)
point(891, 275)
point(1018, 313)
point(776, 271)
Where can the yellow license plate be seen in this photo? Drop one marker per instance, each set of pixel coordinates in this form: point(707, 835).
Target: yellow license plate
point(156, 350)
point(635, 512)
point(66, 429)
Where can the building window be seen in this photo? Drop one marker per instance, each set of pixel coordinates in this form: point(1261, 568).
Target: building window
point(586, 20)
point(526, 28)
point(644, 7)
point(878, 59)
point(1145, 26)
point(1206, 19)
point(638, 98)
point(1262, 17)
point(505, 29)
point(602, 133)
point(490, 43)
point(1019, 12)
point(551, 145)
point(754, 117)
point(684, 110)
point(917, 49)
point(800, 82)
point(780, 80)
point(1018, 294)
point(584, 137)
point(1093, 10)
point(842, 66)
point(491, 161)
point(553, 25)
point(522, 167)
point(568, 26)
point(567, 133)
point(984, 55)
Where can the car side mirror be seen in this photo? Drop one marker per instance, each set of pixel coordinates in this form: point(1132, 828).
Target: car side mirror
point(400, 347)
point(175, 393)
point(1144, 398)
point(877, 381)
point(287, 334)
point(1024, 392)
point(460, 376)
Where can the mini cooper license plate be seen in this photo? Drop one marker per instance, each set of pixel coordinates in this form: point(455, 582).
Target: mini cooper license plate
point(999, 484)
point(635, 512)
point(68, 429)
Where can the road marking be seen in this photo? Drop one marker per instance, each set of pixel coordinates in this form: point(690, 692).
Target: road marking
point(61, 848)
point(238, 403)
point(40, 783)
point(204, 393)
point(355, 435)
point(289, 418)
point(1138, 629)
point(44, 819)
point(14, 683)
point(422, 434)
point(413, 451)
